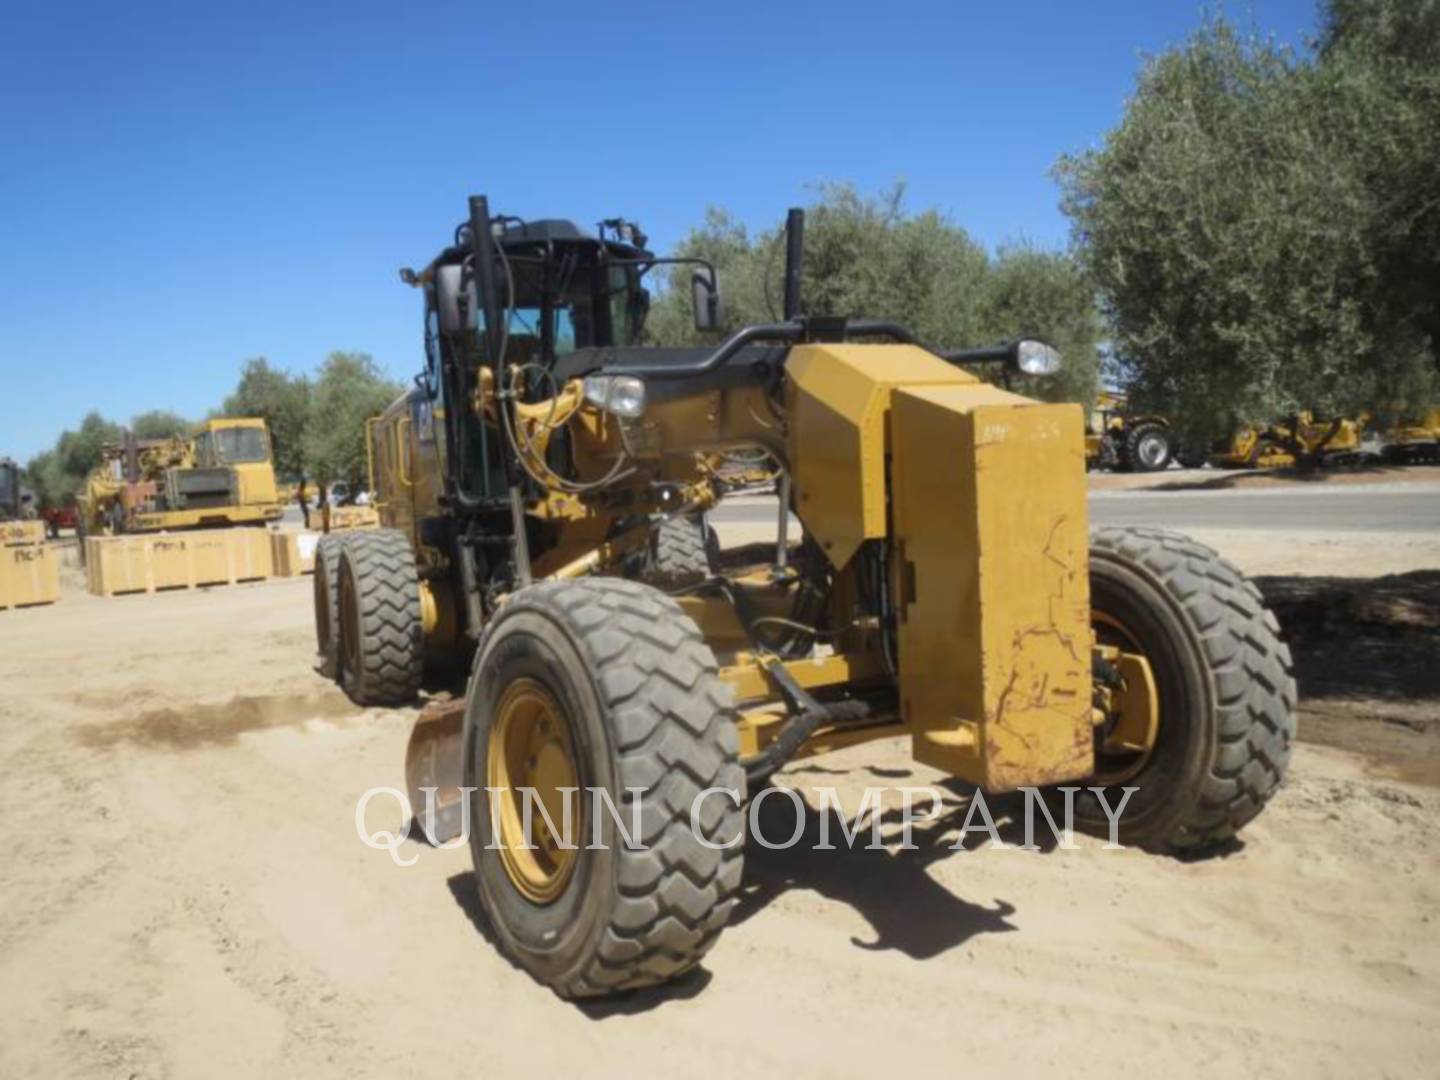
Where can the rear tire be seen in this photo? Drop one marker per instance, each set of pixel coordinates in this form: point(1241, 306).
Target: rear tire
point(1227, 698)
point(326, 596)
point(382, 637)
point(1192, 457)
point(679, 554)
point(1147, 448)
point(640, 697)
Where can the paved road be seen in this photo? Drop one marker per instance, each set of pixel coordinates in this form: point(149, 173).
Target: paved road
point(1351, 508)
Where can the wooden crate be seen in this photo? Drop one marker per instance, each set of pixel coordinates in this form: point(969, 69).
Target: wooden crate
point(22, 532)
point(29, 574)
point(343, 517)
point(293, 553)
point(184, 560)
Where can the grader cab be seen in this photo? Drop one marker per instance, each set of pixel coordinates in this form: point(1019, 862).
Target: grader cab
point(544, 488)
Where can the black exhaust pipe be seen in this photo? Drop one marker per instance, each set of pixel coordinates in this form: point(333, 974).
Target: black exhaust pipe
point(794, 261)
point(482, 247)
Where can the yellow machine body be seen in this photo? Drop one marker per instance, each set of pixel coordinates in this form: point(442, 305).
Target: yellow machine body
point(977, 493)
point(221, 475)
point(256, 485)
point(1418, 432)
point(989, 534)
point(1278, 444)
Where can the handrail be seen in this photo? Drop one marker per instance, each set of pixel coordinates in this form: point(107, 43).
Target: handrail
point(402, 448)
point(798, 331)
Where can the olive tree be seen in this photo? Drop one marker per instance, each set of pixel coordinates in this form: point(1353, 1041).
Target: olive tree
point(349, 389)
point(1262, 225)
point(870, 256)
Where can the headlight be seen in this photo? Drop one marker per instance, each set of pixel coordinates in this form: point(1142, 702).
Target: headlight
point(1037, 358)
point(623, 395)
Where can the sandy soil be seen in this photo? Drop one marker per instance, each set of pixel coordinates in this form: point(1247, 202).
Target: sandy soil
point(185, 894)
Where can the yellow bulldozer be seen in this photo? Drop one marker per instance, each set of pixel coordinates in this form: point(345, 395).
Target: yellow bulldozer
point(541, 490)
point(219, 476)
point(1415, 438)
point(1301, 438)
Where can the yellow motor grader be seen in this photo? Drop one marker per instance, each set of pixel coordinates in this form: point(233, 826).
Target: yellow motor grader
point(541, 489)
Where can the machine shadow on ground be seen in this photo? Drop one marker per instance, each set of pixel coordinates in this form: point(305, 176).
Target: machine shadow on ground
point(890, 887)
point(907, 909)
point(1365, 652)
point(467, 895)
point(1361, 637)
point(1268, 478)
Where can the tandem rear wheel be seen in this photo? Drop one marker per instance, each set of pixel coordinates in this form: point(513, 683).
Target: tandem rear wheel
point(368, 625)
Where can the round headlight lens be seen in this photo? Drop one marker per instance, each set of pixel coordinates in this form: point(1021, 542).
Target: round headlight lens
point(1037, 358)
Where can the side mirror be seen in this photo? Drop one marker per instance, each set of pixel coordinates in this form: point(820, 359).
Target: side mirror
point(455, 299)
point(705, 299)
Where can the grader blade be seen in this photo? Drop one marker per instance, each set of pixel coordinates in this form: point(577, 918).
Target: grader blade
point(433, 769)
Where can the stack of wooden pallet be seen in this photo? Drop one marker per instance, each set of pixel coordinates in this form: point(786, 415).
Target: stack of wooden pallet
point(179, 560)
point(29, 569)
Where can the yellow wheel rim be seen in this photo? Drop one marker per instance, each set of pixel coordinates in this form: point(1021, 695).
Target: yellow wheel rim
point(531, 748)
point(1113, 768)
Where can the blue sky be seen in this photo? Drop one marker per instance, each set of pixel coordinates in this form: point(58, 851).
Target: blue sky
point(186, 185)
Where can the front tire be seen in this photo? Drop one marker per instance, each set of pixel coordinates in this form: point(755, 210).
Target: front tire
point(634, 690)
point(382, 637)
point(1147, 448)
point(1223, 677)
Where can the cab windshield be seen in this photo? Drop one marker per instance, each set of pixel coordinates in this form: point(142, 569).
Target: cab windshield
point(525, 330)
point(238, 445)
point(565, 300)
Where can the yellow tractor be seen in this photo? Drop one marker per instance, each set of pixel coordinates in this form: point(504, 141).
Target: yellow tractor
point(630, 687)
point(220, 476)
point(1115, 439)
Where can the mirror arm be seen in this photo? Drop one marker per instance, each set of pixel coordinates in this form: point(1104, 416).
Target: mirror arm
point(985, 354)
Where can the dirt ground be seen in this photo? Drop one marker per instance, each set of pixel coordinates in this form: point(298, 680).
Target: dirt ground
point(185, 893)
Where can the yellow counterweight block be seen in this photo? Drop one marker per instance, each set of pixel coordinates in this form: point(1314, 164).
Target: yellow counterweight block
point(987, 518)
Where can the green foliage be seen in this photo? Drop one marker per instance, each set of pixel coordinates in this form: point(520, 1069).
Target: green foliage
point(1264, 228)
point(316, 430)
point(160, 424)
point(1046, 295)
point(870, 257)
point(282, 400)
point(349, 389)
point(57, 475)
